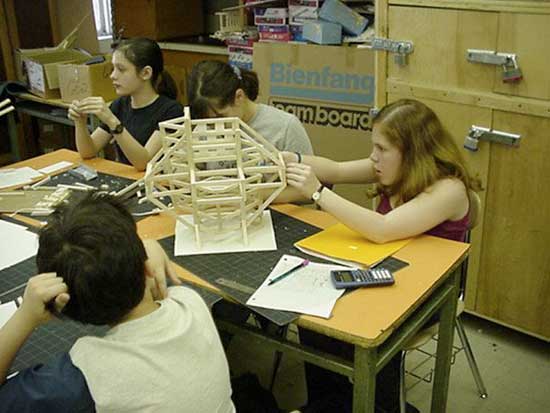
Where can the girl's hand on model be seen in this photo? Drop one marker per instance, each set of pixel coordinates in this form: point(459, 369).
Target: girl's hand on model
point(289, 157)
point(97, 106)
point(302, 177)
point(73, 113)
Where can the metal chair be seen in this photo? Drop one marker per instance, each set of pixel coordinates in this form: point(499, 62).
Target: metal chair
point(423, 336)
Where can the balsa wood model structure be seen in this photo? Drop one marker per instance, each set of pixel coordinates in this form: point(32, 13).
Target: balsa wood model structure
point(220, 170)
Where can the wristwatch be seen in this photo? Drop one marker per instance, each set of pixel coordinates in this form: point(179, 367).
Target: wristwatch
point(117, 130)
point(317, 194)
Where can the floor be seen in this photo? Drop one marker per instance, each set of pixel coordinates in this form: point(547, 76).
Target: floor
point(514, 367)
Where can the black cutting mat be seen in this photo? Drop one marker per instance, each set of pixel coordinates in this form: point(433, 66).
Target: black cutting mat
point(249, 269)
point(209, 297)
point(112, 182)
point(391, 263)
point(57, 336)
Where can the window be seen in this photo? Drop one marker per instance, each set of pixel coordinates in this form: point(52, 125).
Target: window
point(103, 18)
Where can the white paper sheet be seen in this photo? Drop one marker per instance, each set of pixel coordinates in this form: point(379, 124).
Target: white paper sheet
point(309, 290)
point(55, 167)
point(16, 244)
point(6, 311)
point(17, 177)
point(261, 237)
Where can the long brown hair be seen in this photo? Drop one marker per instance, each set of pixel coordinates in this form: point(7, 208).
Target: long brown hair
point(214, 82)
point(429, 153)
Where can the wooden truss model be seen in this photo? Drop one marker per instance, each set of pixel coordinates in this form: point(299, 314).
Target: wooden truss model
point(220, 170)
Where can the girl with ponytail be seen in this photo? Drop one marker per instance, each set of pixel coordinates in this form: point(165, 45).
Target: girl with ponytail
point(218, 90)
point(147, 96)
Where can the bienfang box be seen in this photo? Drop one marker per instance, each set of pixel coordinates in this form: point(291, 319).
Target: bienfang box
point(330, 89)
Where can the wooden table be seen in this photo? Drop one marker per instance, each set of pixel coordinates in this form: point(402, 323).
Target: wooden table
point(378, 322)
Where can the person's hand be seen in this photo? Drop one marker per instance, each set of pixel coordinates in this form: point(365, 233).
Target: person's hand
point(158, 266)
point(97, 106)
point(41, 290)
point(289, 157)
point(74, 115)
point(302, 177)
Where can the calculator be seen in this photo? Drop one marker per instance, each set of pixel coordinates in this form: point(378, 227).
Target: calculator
point(353, 278)
point(83, 172)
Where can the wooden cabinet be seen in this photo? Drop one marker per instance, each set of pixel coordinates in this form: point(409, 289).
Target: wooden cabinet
point(509, 273)
point(180, 63)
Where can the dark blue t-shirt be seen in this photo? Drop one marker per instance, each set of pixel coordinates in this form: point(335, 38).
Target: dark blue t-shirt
point(142, 122)
point(58, 386)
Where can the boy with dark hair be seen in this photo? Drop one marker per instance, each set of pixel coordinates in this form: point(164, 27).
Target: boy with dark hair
point(159, 355)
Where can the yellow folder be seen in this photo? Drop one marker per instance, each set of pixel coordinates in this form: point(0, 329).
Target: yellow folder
point(340, 243)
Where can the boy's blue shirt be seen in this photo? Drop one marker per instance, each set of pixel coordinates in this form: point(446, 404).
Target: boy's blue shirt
point(56, 386)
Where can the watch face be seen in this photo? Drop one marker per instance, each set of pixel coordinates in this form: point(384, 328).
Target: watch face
point(118, 129)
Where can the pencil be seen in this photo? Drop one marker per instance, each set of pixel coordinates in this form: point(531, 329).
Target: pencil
point(287, 273)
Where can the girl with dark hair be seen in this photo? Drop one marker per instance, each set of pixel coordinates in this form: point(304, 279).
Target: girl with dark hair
point(218, 90)
point(147, 97)
point(423, 183)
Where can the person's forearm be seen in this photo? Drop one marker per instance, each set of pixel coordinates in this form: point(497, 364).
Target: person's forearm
point(368, 223)
point(288, 195)
point(12, 337)
point(137, 154)
point(326, 170)
point(84, 142)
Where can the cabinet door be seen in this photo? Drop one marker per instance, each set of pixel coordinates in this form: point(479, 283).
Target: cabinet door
point(441, 38)
point(523, 35)
point(514, 276)
point(457, 119)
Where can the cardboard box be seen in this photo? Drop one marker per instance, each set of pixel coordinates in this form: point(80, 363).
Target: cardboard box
point(78, 81)
point(331, 97)
point(274, 37)
point(283, 28)
point(273, 21)
point(337, 12)
point(274, 12)
point(322, 32)
point(67, 43)
point(300, 11)
point(158, 19)
point(296, 33)
point(240, 56)
point(280, 33)
point(42, 70)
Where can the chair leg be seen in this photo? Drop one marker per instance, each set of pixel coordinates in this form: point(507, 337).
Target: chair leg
point(402, 390)
point(277, 358)
point(471, 360)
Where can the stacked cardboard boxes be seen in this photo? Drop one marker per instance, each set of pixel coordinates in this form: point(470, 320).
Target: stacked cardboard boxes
point(272, 24)
point(300, 12)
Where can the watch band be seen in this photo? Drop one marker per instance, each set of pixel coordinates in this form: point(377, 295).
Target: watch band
point(317, 194)
point(117, 130)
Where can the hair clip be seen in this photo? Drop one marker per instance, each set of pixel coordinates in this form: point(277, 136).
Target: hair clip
point(237, 71)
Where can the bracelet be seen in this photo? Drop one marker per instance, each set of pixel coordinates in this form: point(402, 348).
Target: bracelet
point(299, 155)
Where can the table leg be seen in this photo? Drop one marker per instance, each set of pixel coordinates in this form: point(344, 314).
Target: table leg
point(14, 141)
point(364, 380)
point(444, 348)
